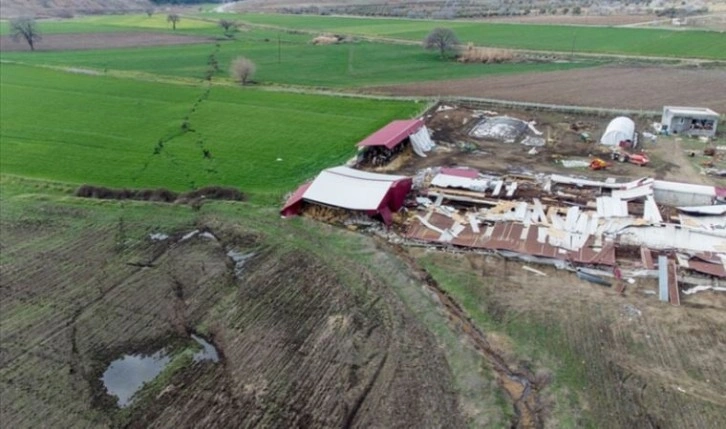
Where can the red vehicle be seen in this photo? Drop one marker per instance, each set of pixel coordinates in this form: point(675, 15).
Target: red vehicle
point(633, 158)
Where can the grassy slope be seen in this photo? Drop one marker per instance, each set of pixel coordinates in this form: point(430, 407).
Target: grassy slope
point(101, 130)
point(631, 41)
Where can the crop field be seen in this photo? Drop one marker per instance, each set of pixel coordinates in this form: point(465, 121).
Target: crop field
point(126, 133)
point(118, 23)
point(605, 40)
point(276, 54)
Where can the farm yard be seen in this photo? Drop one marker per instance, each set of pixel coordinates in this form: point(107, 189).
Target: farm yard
point(243, 318)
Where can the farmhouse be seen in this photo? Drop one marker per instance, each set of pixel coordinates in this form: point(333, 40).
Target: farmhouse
point(690, 121)
point(346, 188)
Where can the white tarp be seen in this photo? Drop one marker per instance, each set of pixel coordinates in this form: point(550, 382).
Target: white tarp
point(333, 187)
point(421, 141)
point(448, 181)
point(619, 129)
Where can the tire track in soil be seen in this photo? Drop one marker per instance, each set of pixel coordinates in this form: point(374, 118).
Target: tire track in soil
point(520, 386)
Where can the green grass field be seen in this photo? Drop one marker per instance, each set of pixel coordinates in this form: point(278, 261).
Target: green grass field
point(628, 41)
point(105, 131)
point(292, 61)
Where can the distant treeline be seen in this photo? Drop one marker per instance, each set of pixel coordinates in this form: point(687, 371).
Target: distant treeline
point(185, 1)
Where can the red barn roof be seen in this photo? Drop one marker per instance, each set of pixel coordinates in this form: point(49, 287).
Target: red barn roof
point(392, 134)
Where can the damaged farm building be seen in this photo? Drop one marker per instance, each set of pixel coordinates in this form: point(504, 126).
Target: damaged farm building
point(600, 228)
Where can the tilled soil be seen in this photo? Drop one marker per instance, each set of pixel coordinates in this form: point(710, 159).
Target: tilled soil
point(305, 342)
point(618, 87)
point(80, 41)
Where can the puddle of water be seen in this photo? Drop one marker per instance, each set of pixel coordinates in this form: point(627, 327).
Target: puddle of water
point(125, 376)
point(208, 352)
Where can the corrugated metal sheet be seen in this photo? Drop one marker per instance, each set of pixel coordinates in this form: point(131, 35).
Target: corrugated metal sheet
point(651, 213)
point(718, 209)
point(611, 207)
point(511, 236)
point(671, 236)
point(392, 134)
point(633, 193)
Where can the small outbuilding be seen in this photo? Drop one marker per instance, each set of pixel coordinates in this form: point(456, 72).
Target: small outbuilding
point(382, 146)
point(356, 190)
point(620, 129)
point(690, 121)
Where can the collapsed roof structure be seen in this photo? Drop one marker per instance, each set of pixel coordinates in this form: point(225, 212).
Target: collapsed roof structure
point(347, 188)
point(577, 222)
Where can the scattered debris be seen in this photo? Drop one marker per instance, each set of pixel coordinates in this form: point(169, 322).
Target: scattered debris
point(500, 128)
point(632, 311)
point(697, 289)
point(532, 270)
point(575, 163)
point(158, 236)
point(592, 278)
point(189, 235)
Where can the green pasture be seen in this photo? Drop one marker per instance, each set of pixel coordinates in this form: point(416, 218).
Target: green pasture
point(125, 133)
point(610, 40)
point(287, 59)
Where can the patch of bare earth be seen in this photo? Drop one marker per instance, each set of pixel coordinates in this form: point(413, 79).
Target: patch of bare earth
point(79, 41)
point(605, 20)
point(626, 87)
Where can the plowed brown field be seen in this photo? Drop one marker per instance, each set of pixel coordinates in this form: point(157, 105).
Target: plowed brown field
point(618, 87)
point(62, 42)
point(306, 342)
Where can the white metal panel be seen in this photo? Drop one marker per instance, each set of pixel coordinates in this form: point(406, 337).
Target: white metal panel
point(651, 212)
point(633, 193)
point(447, 181)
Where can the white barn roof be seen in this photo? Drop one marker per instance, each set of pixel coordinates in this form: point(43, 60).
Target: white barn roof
point(333, 187)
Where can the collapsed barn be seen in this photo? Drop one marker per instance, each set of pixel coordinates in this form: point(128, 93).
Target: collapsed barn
point(603, 229)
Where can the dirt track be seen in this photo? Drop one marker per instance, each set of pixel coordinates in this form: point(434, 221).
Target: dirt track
point(648, 88)
point(63, 42)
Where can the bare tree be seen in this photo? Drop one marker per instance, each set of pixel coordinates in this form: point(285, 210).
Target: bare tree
point(173, 18)
point(150, 11)
point(24, 28)
point(242, 69)
point(442, 39)
point(229, 27)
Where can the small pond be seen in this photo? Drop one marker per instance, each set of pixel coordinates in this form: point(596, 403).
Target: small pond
point(127, 375)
